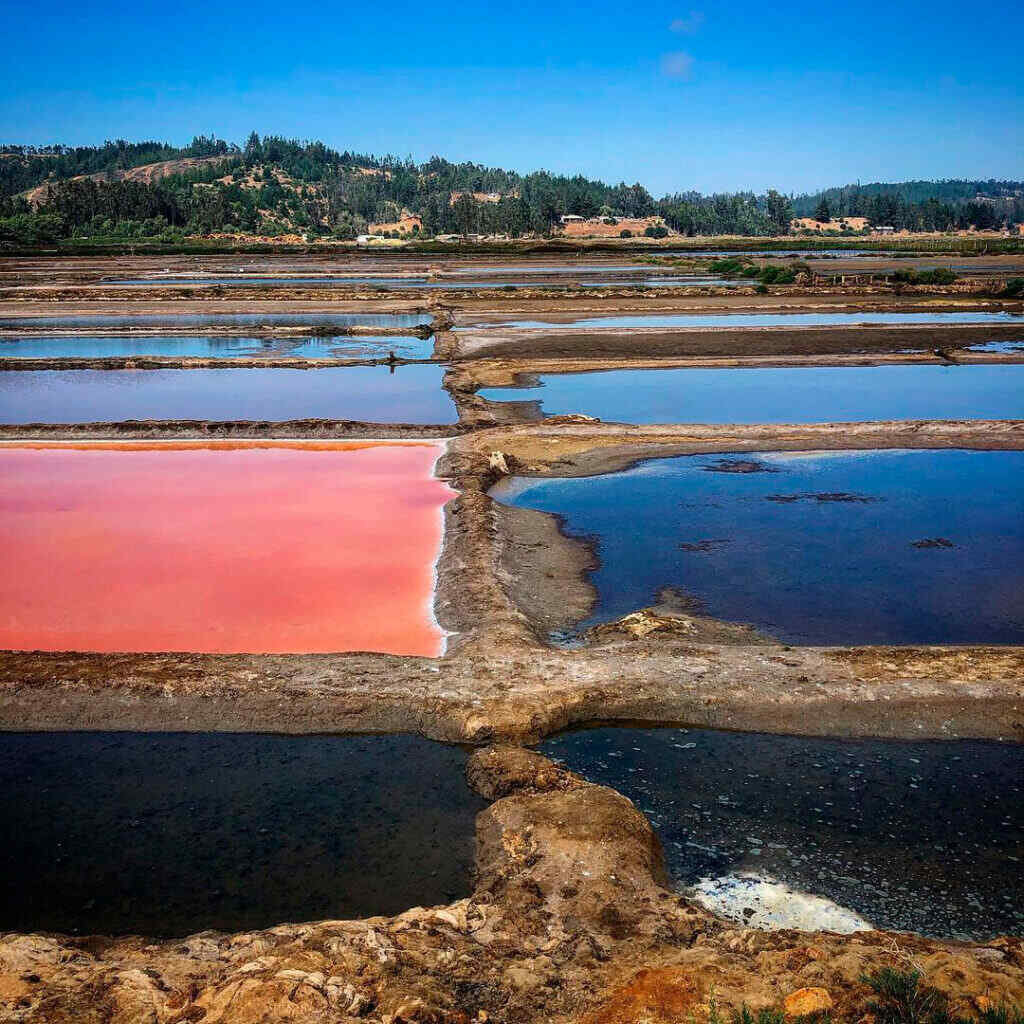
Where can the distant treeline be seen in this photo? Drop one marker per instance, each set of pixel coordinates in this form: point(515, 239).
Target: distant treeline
point(273, 185)
point(921, 205)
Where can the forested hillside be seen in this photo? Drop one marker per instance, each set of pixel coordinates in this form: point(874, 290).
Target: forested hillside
point(921, 205)
point(275, 186)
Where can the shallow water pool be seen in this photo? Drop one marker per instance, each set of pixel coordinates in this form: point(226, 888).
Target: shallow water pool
point(888, 547)
point(409, 394)
point(924, 837)
point(166, 834)
point(106, 321)
point(779, 395)
point(214, 347)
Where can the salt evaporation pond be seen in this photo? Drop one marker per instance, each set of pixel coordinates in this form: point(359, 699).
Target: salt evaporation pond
point(754, 320)
point(779, 395)
point(214, 347)
point(400, 283)
point(166, 834)
point(1001, 347)
point(924, 836)
point(106, 321)
point(409, 394)
point(887, 547)
point(263, 547)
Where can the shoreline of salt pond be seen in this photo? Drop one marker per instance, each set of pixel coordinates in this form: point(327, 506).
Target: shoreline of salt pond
point(917, 836)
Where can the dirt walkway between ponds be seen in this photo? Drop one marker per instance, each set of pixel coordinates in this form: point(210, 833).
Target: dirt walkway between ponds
point(571, 919)
point(574, 446)
point(522, 693)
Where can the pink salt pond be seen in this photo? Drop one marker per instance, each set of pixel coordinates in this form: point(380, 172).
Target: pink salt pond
point(220, 547)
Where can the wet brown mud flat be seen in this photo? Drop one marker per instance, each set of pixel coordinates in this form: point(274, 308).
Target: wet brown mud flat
point(571, 919)
point(724, 342)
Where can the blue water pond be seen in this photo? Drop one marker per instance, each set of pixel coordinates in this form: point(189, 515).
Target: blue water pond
point(410, 394)
point(780, 395)
point(887, 547)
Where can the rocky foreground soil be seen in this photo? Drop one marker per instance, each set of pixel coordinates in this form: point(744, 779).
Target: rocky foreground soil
point(571, 919)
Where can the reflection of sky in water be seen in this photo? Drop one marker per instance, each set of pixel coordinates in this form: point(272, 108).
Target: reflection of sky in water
point(913, 836)
point(220, 320)
point(213, 347)
point(820, 551)
point(758, 320)
point(780, 395)
point(998, 346)
point(167, 834)
point(411, 394)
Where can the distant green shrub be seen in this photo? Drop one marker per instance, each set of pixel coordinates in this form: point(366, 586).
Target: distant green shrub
point(730, 265)
point(940, 275)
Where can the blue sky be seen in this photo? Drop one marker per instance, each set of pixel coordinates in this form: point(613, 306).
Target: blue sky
point(678, 96)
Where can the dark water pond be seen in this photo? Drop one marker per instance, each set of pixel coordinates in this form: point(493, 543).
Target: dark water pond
point(756, 320)
point(924, 837)
point(889, 547)
point(411, 394)
point(106, 321)
point(780, 395)
point(171, 833)
point(214, 346)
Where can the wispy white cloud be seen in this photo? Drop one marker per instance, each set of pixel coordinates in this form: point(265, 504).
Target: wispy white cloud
point(677, 65)
point(687, 26)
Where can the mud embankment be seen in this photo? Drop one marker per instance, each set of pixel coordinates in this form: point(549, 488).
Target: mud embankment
point(570, 446)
